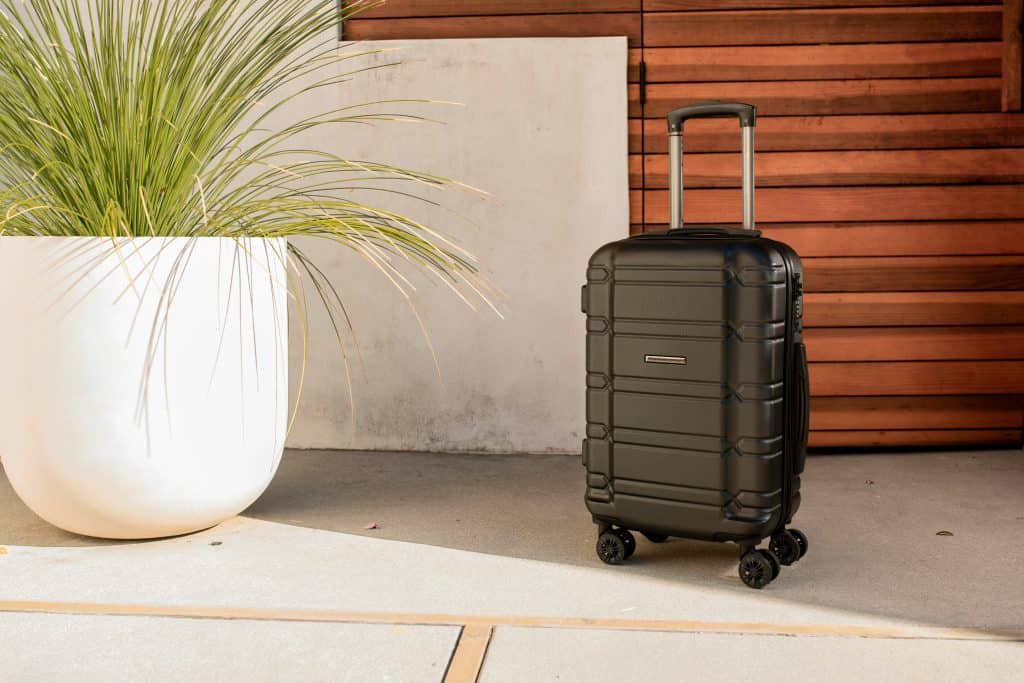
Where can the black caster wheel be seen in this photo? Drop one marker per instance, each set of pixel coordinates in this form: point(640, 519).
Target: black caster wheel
point(611, 548)
point(786, 547)
point(653, 537)
point(801, 539)
point(774, 560)
point(756, 569)
point(629, 539)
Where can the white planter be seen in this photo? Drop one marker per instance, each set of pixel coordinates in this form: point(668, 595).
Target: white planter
point(109, 428)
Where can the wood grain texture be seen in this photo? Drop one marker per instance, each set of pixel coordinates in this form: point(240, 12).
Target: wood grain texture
point(468, 657)
point(806, 133)
point(1013, 55)
point(816, 62)
point(913, 273)
point(448, 8)
point(844, 204)
point(913, 238)
point(925, 378)
point(684, 5)
point(872, 167)
point(633, 59)
point(636, 136)
point(831, 344)
point(883, 161)
point(917, 412)
point(814, 26)
point(873, 309)
point(502, 26)
point(636, 219)
point(804, 98)
point(916, 438)
point(900, 239)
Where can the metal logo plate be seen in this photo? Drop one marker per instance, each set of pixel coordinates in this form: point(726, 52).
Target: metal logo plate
point(665, 360)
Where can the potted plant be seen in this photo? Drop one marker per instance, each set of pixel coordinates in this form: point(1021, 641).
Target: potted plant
point(145, 271)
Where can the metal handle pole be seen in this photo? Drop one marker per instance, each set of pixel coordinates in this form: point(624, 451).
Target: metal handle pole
point(748, 115)
point(748, 177)
point(675, 183)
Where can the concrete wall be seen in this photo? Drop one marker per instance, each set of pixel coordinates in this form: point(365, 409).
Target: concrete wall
point(542, 127)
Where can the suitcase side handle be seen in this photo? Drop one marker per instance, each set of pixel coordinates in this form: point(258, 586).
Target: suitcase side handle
point(747, 114)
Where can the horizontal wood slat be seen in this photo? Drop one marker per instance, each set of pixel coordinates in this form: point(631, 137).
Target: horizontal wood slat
point(874, 167)
point(913, 273)
point(806, 133)
point(634, 57)
point(826, 204)
point(914, 343)
point(871, 309)
point(916, 438)
point(507, 26)
point(917, 412)
point(917, 378)
point(803, 98)
point(443, 8)
point(1013, 55)
point(900, 239)
point(924, 238)
point(828, 62)
point(813, 26)
point(680, 5)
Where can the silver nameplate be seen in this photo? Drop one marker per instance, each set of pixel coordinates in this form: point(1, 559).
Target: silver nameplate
point(667, 360)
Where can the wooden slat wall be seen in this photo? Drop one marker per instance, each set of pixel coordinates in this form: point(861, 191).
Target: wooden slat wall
point(890, 155)
point(497, 19)
point(884, 159)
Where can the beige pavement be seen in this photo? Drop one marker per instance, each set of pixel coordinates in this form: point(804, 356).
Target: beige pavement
point(878, 595)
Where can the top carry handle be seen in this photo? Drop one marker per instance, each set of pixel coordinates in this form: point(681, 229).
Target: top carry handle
point(747, 114)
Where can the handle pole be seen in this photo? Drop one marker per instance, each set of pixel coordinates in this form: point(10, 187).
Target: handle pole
point(675, 166)
point(748, 177)
point(747, 115)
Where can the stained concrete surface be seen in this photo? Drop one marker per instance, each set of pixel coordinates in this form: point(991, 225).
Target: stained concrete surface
point(533, 114)
point(875, 562)
point(872, 522)
point(86, 648)
point(658, 657)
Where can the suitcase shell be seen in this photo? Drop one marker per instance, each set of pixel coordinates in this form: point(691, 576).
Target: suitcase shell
point(697, 386)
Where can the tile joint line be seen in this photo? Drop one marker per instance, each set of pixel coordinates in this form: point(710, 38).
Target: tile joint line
point(467, 621)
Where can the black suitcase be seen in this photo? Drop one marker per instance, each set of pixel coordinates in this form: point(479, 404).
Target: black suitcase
point(697, 390)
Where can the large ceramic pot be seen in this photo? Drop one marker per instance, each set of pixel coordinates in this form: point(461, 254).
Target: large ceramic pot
point(143, 382)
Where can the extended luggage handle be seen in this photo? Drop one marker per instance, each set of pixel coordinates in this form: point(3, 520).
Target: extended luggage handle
point(747, 114)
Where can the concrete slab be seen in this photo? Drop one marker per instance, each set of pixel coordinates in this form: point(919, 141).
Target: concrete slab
point(530, 654)
point(874, 561)
point(872, 522)
point(62, 647)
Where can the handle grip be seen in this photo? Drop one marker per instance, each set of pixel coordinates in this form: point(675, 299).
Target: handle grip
point(713, 231)
point(747, 113)
point(803, 404)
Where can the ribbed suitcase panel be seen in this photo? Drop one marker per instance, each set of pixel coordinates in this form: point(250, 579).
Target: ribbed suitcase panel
point(686, 363)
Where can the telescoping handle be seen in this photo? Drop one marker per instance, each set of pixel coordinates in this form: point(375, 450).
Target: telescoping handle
point(747, 114)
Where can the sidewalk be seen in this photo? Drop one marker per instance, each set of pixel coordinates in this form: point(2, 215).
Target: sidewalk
point(488, 559)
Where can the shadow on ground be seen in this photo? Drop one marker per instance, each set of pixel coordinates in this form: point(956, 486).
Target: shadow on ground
point(873, 523)
point(20, 526)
